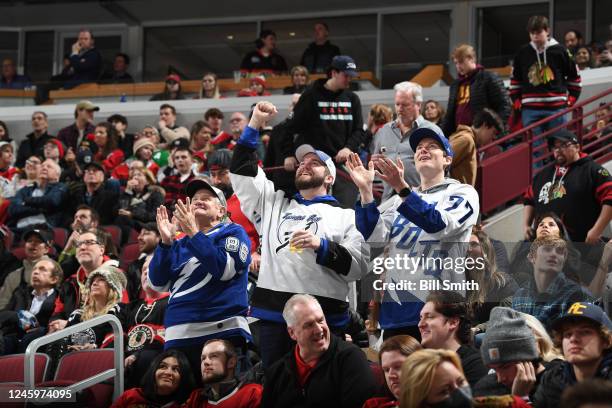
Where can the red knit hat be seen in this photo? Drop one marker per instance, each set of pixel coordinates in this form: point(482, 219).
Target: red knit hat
point(60, 146)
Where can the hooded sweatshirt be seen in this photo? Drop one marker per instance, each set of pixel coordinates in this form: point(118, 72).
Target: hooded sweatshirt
point(545, 80)
point(328, 120)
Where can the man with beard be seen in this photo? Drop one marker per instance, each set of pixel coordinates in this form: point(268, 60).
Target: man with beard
point(320, 370)
point(577, 189)
point(328, 117)
point(221, 387)
point(310, 244)
point(218, 164)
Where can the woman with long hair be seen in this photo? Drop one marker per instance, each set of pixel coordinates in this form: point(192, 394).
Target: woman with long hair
point(167, 384)
point(299, 80)
point(391, 356)
point(107, 141)
point(210, 87)
point(495, 287)
point(102, 293)
point(431, 377)
point(433, 112)
point(546, 348)
point(172, 90)
point(139, 201)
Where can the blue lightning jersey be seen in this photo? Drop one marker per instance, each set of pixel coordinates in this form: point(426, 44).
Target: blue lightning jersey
point(207, 278)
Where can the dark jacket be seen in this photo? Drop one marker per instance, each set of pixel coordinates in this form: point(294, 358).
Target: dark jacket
point(555, 380)
point(256, 62)
point(472, 364)
point(70, 135)
point(486, 91)
point(31, 146)
point(280, 147)
point(50, 204)
point(86, 67)
point(327, 120)
point(488, 385)
point(143, 206)
point(341, 378)
point(318, 57)
point(104, 200)
point(112, 77)
point(22, 300)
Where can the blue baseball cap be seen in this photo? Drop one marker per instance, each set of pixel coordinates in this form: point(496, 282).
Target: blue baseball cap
point(428, 129)
point(304, 149)
point(583, 310)
point(346, 64)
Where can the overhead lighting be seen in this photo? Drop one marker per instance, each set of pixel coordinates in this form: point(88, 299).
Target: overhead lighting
point(292, 34)
point(230, 37)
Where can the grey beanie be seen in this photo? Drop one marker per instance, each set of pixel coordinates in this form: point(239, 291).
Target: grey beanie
point(508, 338)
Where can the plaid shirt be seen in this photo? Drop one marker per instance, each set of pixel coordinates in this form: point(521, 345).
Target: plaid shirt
point(553, 302)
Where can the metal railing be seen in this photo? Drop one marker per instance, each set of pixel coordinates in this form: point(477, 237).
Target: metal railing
point(116, 372)
point(507, 175)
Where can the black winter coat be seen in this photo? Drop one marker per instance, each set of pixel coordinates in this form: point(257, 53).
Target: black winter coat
point(341, 378)
point(556, 380)
point(486, 91)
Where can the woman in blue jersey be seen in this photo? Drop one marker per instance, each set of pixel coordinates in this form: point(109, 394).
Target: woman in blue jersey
point(205, 269)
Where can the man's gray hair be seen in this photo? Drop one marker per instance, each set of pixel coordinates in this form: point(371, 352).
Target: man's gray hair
point(412, 87)
point(288, 310)
point(56, 166)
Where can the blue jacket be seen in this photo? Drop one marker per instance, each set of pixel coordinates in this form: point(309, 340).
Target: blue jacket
point(49, 204)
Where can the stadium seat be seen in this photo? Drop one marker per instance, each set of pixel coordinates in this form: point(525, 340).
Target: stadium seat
point(60, 236)
point(115, 233)
point(133, 236)
point(129, 254)
point(11, 368)
point(80, 365)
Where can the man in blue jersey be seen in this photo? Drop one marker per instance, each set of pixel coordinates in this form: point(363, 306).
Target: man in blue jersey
point(205, 271)
point(426, 229)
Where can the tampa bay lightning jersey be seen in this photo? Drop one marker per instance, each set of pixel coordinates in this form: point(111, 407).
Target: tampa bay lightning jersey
point(418, 231)
point(207, 277)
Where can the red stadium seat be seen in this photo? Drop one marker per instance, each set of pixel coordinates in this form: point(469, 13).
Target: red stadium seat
point(133, 236)
point(11, 368)
point(60, 236)
point(80, 365)
point(115, 233)
point(128, 255)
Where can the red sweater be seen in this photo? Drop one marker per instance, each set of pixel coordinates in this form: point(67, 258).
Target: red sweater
point(243, 396)
point(134, 398)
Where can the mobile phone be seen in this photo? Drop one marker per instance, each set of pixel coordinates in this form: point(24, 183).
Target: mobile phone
point(382, 150)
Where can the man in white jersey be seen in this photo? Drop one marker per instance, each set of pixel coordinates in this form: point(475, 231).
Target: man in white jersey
point(423, 228)
point(309, 243)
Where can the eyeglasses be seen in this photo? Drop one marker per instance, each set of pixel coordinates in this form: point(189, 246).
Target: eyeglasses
point(87, 242)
